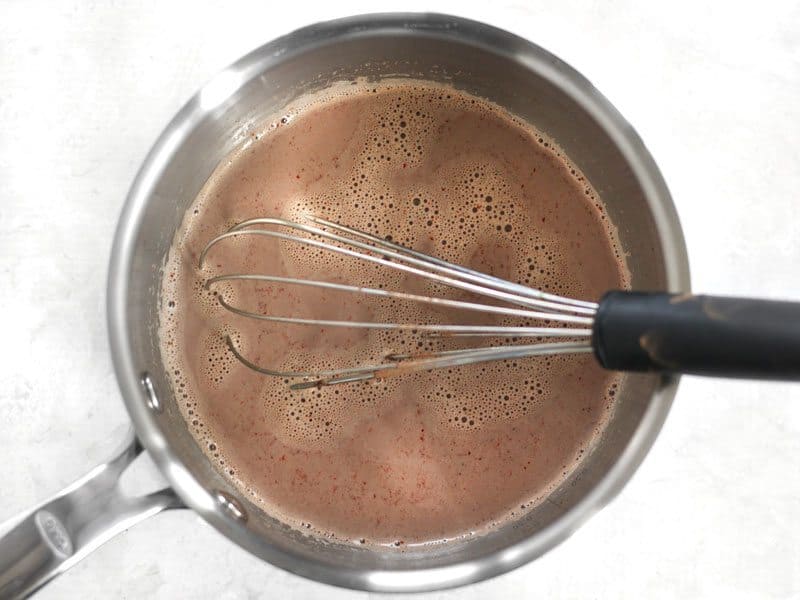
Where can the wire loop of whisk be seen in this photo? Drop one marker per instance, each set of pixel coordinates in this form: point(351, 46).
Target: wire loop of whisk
point(573, 317)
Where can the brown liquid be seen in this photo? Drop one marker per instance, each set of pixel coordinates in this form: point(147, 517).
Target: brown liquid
point(413, 459)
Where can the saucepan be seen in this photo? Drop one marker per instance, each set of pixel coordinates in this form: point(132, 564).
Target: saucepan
point(468, 55)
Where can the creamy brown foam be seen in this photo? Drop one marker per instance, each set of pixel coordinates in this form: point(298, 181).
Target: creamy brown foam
point(407, 460)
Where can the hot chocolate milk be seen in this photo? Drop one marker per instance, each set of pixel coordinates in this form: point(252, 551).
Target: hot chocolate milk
point(407, 460)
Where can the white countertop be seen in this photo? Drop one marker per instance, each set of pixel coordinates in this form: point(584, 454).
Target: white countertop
point(714, 90)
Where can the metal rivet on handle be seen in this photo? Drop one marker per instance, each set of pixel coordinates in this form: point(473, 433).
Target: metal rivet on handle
point(230, 505)
point(151, 398)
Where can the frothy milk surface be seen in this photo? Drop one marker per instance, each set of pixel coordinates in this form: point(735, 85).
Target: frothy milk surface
point(423, 458)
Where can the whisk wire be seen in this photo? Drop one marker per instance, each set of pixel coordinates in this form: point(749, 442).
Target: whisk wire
point(502, 284)
point(471, 281)
point(399, 364)
point(443, 329)
point(537, 305)
point(474, 306)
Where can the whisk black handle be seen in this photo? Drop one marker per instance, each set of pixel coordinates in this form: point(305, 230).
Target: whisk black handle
point(702, 335)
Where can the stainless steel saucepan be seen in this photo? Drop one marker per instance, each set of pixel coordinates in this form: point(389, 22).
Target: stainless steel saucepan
point(472, 56)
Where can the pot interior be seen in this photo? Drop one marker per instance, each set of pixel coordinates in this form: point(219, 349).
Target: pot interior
point(483, 61)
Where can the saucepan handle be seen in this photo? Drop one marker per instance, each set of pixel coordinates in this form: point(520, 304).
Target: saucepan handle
point(703, 335)
point(52, 537)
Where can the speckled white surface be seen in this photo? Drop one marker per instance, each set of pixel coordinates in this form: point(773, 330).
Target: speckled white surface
point(714, 90)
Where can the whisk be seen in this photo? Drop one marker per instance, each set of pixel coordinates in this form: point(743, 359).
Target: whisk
point(625, 330)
